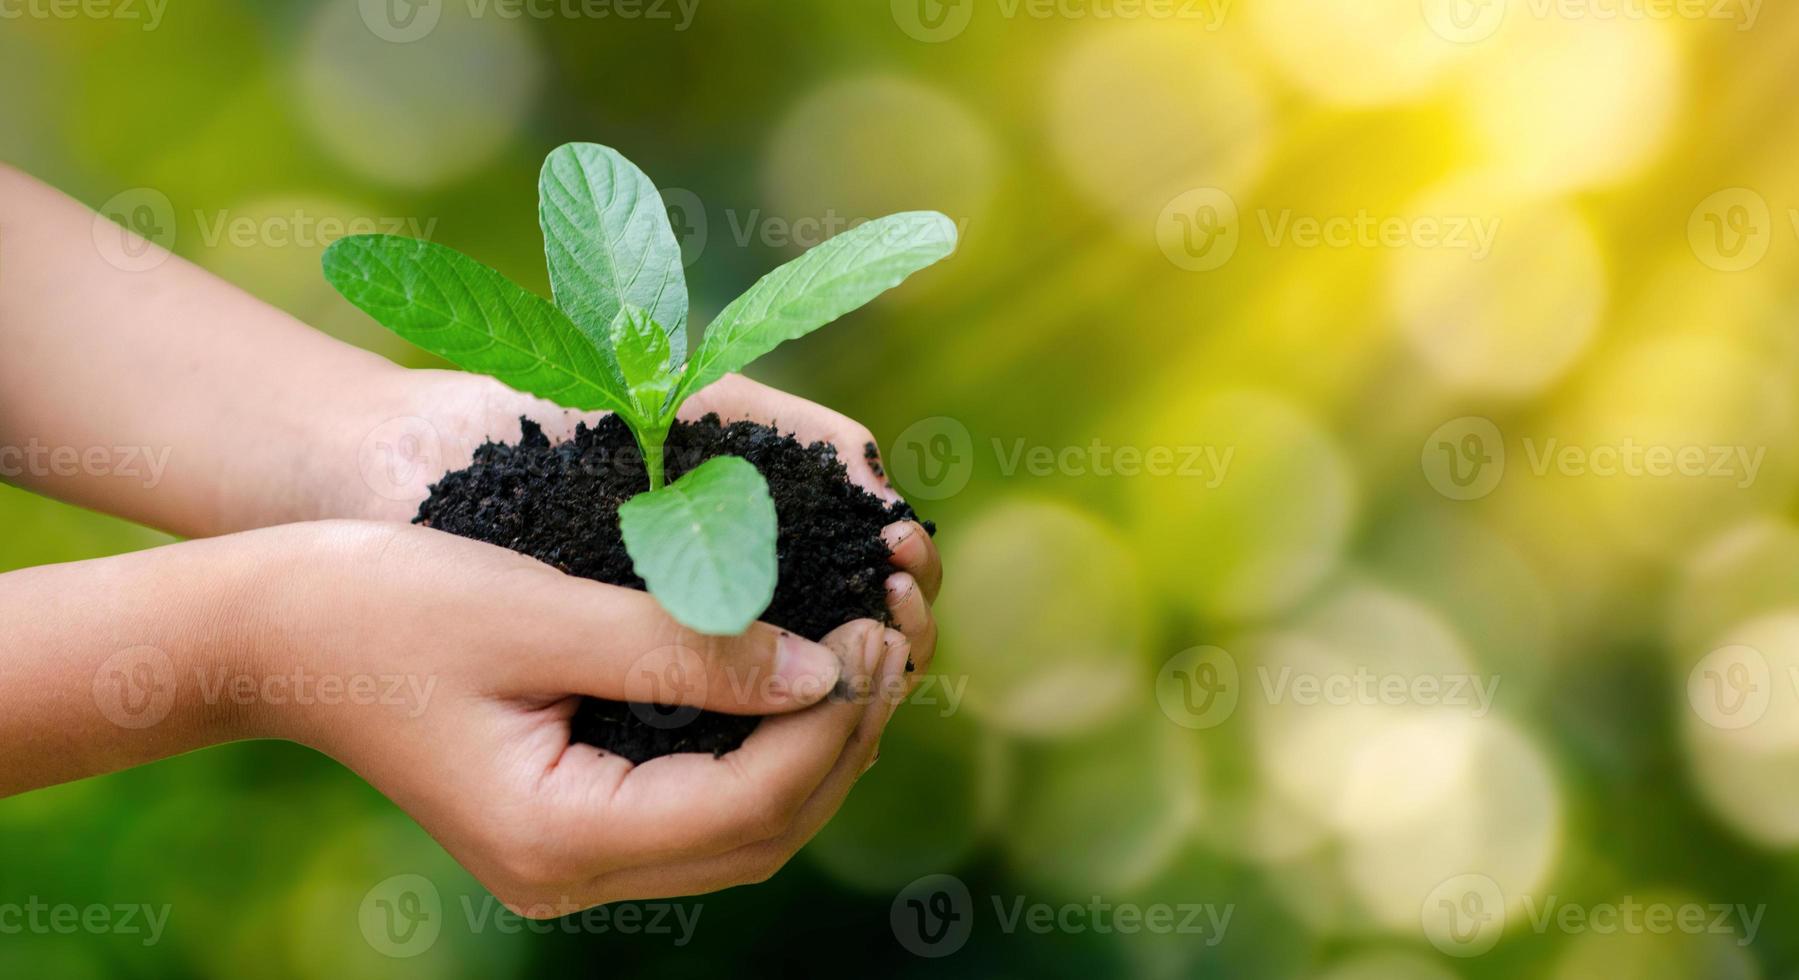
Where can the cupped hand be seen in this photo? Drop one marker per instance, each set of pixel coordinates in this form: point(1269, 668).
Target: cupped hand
point(457, 666)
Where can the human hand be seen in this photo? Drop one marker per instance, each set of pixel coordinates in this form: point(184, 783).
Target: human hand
point(489, 653)
point(416, 426)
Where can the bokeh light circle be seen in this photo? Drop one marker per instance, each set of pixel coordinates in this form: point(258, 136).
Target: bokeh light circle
point(1501, 819)
point(1043, 620)
point(1558, 103)
point(1466, 311)
point(1252, 535)
point(416, 115)
point(1364, 53)
point(1143, 112)
point(1107, 812)
point(864, 147)
point(1739, 705)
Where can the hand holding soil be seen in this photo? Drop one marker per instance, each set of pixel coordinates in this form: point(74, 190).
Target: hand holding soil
point(304, 570)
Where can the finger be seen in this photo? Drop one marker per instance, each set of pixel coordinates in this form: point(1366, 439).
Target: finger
point(692, 804)
point(737, 397)
point(914, 552)
point(574, 636)
point(912, 616)
point(758, 861)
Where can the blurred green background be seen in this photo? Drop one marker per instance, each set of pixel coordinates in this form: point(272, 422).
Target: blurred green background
point(1412, 319)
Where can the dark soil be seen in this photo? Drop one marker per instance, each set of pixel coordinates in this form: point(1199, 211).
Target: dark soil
point(559, 504)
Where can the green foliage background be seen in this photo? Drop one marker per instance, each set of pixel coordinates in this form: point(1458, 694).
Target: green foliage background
point(1075, 152)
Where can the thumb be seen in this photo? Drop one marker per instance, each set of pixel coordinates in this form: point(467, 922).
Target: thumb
point(612, 642)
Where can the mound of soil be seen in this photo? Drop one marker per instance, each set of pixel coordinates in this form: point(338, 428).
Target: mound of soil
point(559, 504)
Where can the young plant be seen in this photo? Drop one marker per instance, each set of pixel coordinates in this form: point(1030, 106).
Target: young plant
point(615, 339)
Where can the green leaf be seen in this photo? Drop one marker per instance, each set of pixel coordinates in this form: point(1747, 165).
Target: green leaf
point(454, 306)
point(608, 241)
point(642, 350)
point(705, 545)
point(825, 283)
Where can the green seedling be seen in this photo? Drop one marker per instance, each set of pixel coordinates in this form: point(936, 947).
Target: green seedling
point(615, 339)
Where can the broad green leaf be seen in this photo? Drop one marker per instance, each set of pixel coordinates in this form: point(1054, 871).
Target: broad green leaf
point(705, 545)
point(454, 306)
point(608, 241)
point(642, 351)
point(825, 283)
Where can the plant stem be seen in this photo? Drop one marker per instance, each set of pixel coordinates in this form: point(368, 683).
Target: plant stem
point(651, 442)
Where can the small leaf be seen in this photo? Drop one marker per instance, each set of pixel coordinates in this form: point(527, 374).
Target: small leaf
point(825, 283)
point(608, 241)
point(705, 545)
point(643, 353)
point(455, 307)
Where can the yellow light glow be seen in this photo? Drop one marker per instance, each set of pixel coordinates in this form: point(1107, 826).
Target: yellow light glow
point(1508, 319)
point(1565, 102)
point(1362, 53)
point(1143, 112)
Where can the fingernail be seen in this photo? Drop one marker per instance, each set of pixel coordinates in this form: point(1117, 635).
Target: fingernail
point(896, 686)
point(807, 670)
point(898, 584)
point(896, 534)
point(859, 665)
